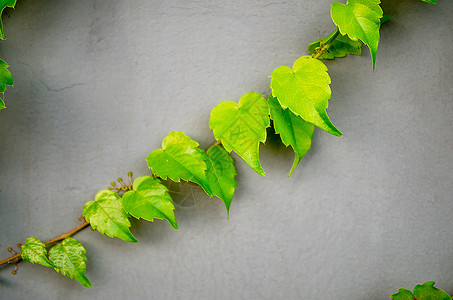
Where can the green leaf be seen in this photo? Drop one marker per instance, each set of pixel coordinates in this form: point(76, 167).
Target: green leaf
point(403, 294)
point(35, 252)
point(149, 200)
point(107, 215)
point(431, 1)
point(359, 19)
point(3, 5)
point(293, 130)
point(179, 159)
point(2, 104)
point(305, 91)
point(220, 174)
point(427, 291)
point(69, 260)
point(341, 46)
point(242, 126)
point(5, 76)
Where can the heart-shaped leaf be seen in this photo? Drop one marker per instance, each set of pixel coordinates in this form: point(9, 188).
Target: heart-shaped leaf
point(242, 126)
point(179, 159)
point(107, 215)
point(149, 200)
point(305, 90)
point(359, 19)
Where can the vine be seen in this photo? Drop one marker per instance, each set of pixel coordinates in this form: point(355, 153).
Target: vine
point(297, 104)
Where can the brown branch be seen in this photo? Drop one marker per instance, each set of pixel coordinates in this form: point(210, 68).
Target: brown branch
point(70, 233)
point(7, 260)
point(57, 239)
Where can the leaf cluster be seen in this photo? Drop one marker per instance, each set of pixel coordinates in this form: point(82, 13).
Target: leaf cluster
point(5, 76)
point(67, 258)
point(297, 104)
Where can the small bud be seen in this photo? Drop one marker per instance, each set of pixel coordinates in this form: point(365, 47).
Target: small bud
point(120, 180)
point(15, 269)
point(129, 175)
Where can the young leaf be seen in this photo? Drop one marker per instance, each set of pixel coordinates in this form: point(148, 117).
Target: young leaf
point(305, 91)
point(107, 215)
point(427, 291)
point(35, 252)
point(69, 260)
point(293, 130)
point(220, 174)
point(340, 47)
point(5, 79)
point(242, 126)
point(3, 5)
point(359, 19)
point(403, 294)
point(5, 76)
point(179, 159)
point(431, 1)
point(149, 200)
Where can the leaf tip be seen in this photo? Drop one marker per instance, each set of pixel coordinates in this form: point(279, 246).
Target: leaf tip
point(228, 211)
point(175, 226)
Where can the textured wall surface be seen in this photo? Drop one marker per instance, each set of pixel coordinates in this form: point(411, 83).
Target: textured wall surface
point(98, 84)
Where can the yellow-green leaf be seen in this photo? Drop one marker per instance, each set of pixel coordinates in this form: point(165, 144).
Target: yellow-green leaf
point(305, 90)
point(242, 126)
point(179, 159)
point(107, 215)
point(220, 174)
point(149, 200)
point(293, 130)
point(69, 260)
point(35, 252)
point(359, 19)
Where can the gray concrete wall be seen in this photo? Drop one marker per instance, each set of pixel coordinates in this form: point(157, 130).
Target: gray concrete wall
point(100, 83)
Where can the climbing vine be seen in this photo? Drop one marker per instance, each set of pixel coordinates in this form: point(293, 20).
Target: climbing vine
point(298, 103)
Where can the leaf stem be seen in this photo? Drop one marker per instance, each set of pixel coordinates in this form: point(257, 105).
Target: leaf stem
point(54, 240)
point(329, 43)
